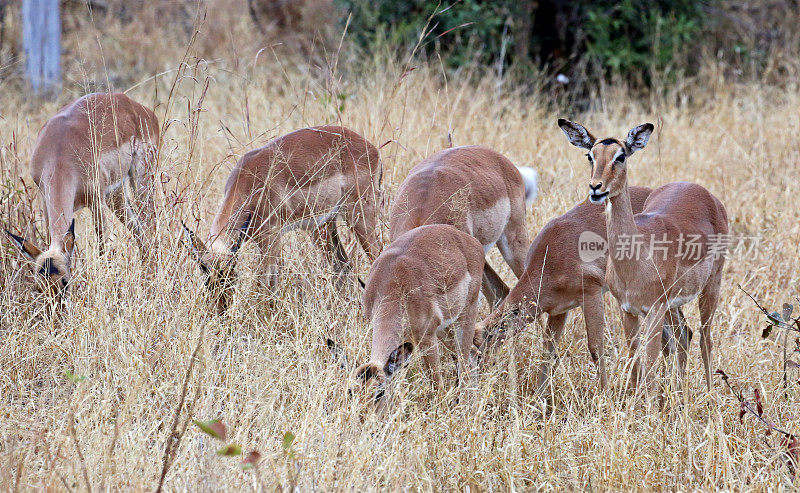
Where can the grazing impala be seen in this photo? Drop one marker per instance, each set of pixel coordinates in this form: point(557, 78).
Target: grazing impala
point(478, 191)
point(558, 278)
point(84, 157)
point(423, 282)
point(303, 179)
point(668, 274)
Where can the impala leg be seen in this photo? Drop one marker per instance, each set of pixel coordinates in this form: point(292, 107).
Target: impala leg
point(96, 207)
point(465, 333)
point(142, 185)
point(684, 340)
point(595, 332)
point(669, 332)
point(126, 212)
point(327, 237)
point(709, 298)
point(553, 332)
point(430, 356)
point(138, 203)
point(362, 218)
point(513, 243)
point(675, 326)
point(652, 327)
point(630, 324)
point(270, 263)
point(493, 287)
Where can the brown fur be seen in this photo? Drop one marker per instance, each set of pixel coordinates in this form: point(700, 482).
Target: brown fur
point(295, 180)
point(83, 157)
point(556, 280)
point(647, 287)
point(475, 189)
point(425, 280)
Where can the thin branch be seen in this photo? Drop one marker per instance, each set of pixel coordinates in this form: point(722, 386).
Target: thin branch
point(174, 439)
point(74, 435)
point(776, 323)
point(746, 405)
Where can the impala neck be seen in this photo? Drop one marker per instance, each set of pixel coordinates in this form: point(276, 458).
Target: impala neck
point(60, 203)
point(621, 227)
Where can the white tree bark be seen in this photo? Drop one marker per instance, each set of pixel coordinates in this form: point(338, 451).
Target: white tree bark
point(41, 39)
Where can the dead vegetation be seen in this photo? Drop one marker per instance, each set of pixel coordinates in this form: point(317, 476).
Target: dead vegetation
point(136, 355)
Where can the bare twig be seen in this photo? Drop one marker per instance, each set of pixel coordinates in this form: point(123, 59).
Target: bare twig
point(74, 435)
point(175, 435)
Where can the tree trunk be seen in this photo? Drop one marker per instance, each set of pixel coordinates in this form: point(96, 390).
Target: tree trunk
point(41, 39)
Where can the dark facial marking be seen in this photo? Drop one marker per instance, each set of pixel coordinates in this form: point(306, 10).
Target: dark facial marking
point(48, 269)
point(609, 141)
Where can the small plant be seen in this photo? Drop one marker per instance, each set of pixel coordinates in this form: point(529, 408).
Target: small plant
point(790, 325)
point(789, 443)
point(216, 429)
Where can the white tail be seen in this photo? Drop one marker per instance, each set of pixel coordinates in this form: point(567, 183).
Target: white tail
point(531, 179)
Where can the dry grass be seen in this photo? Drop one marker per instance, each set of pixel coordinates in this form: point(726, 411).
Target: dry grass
point(266, 371)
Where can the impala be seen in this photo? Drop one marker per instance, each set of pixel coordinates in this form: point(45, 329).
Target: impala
point(422, 283)
point(88, 155)
point(478, 191)
point(558, 278)
point(303, 179)
point(668, 274)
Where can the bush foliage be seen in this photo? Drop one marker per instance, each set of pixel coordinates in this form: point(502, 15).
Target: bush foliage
point(622, 36)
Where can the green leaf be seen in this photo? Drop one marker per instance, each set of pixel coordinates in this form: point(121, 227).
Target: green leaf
point(214, 428)
point(231, 450)
point(288, 439)
point(774, 318)
point(766, 331)
point(251, 460)
point(74, 378)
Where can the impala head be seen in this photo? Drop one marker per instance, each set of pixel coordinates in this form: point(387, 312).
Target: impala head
point(608, 157)
point(218, 265)
point(51, 268)
point(370, 379)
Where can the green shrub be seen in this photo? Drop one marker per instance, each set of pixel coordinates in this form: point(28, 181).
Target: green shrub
point(633, 35)
point(625, 37)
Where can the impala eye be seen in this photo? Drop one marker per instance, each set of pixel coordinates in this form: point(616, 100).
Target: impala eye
point(621, 159)
point(589, 157)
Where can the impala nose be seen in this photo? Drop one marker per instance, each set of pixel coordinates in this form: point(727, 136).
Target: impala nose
point(595, 189)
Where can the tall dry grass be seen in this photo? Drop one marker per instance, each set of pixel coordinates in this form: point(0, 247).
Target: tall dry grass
point(266, 371)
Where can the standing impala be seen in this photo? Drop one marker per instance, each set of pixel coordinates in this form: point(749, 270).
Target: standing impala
point(84, 157)
point(303, 179)
point(559, 277)
point(423, 282)
point(478, 191)
point(664, 273)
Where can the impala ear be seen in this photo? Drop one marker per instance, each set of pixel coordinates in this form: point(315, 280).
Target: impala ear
point(69, 238)
point(337, 352)
point(576, 134)
point(638, 137)
point(197, 247)
point(398, 359)
point(242, 233)
point(367, 372)
point(26, 247)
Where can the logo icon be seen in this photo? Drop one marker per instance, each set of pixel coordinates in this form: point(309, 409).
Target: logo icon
point(591, 246)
